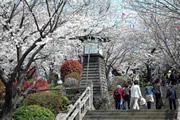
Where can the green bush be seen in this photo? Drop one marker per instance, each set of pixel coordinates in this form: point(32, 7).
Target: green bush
point(50, 100)
point(59, 86)
point(64, 102)
point(74, 75)
point(33, 112)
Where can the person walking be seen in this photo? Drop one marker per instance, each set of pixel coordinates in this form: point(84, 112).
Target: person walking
point(149, 95)
point(171, 95)
point(117, 95)
point(135, 94)
point(158, 93)
point(126, 96)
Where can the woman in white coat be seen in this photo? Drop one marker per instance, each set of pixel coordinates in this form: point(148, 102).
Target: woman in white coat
point(135, 95)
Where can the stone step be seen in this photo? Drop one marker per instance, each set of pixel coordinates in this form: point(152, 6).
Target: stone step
point(142, 111)
point(95, 82)
point(94, 86)
point(91, 66)
point(126, 118)
point(83, 77)
point(90, 74)
point(131, 110)
point(90, 60)
point(91, 63)
point(90, 71)
point(92, 80)
point(130, 115)
point(145, 117)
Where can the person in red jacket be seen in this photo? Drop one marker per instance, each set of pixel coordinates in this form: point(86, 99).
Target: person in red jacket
point(117, 95)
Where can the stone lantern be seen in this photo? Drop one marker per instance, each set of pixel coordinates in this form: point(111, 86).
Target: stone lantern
point(94, 65)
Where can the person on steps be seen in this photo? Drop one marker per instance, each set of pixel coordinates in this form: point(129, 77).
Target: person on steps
point(117, 95)
point(171, 95)
point(149, 95)
point(158, 93)
point(135, 95)
point(126, 97)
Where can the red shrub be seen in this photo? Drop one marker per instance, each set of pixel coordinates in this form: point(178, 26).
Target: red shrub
point(40, 84)
point(26, 84)
point(70, 66)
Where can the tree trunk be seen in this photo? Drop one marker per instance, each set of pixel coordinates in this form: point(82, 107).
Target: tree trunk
point(9, 106)
point(149, 76)
point(107, 74)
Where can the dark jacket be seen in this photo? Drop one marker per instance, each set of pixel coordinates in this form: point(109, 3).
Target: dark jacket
point(171, 93)
point(157, 88)
point(126, 93)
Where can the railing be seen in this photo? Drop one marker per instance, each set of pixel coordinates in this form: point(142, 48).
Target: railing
point(178, 112)
point(82, 105)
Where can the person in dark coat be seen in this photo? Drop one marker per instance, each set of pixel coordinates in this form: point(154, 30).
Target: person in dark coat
point(171, 95)
point(158, 93)
point(172, 78)
point(126, 96)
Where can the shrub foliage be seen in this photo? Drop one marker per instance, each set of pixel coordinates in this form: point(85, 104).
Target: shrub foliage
point(49, 100)
point(33, 112)
point(74, 75)
point(71, 82)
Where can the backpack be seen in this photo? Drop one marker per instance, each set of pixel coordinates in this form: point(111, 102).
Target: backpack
point(117, 94)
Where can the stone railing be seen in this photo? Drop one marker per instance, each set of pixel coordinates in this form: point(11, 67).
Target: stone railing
point(178, 112)
point(81, 106)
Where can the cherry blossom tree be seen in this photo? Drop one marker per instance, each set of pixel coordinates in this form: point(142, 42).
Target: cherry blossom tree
point(26, 28)
point(162, 20)
point(40, 32)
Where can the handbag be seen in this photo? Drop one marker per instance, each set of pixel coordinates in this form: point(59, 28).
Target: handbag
point(142, 101)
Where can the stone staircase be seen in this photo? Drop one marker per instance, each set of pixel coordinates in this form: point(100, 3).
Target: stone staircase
point(143, 114)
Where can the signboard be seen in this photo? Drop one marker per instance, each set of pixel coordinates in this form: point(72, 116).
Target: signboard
point(91, 48)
